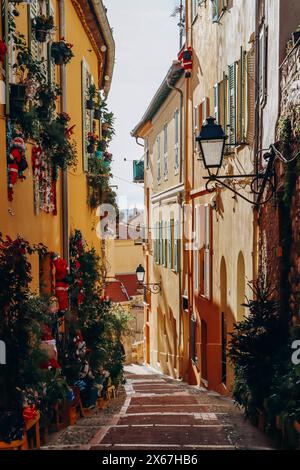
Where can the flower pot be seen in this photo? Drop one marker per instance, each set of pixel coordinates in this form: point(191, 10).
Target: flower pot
point(59, 60)
point(97, 114)
point(89, 104)
point(91, 148)
point(296, 36)
point(41, 35)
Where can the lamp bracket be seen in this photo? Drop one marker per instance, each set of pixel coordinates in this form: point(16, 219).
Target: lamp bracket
point(258, 184)
point(154, 288)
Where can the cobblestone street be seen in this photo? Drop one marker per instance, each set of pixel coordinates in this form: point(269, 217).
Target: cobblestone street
point(161, 413)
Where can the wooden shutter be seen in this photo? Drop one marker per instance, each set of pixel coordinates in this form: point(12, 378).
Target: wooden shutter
point(207, 251)
point(176, 140)
point(250, 83)
point(158, 158)
point(204, 111)
point(241, 96)
point(232, 103)
point(165, 150)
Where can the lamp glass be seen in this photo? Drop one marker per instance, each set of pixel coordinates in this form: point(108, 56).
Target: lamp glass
point(212, 152)
point(140, 274)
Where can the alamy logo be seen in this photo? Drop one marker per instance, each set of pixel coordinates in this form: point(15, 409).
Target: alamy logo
point(296, 353)
point(2, 353)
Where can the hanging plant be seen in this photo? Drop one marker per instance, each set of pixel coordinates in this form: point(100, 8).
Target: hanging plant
point(61, 52)
point(100, 106)
point(47, 96)
point(57, 143)
point(92, 142)
point(42, 26)
point(92, 92)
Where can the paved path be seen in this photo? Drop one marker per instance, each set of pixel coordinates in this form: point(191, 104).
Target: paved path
point(162, 413)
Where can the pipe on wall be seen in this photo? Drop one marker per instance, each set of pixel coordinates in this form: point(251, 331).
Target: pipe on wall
point(63, 84)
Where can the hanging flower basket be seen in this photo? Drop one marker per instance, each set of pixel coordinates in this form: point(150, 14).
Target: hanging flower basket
point(97, 114)
point(61, 52)
point(91, 148)
point(90, 104)
point(42, 25)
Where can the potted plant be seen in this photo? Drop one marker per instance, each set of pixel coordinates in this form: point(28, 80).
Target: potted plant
point(92, 141)
point(47, 96)
point(296, 35)
point(92, 91)
point(42, 25)
point(100, 106)
point(101, 145)
point(61, 52)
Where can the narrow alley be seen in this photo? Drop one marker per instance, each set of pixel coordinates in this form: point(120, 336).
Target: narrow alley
point(160, 413)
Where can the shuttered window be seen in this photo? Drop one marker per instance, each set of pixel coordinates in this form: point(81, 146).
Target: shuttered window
point(158, 158)
point(241, 98)
point(250, 86)
point(33, 43)
point(204, 111)
point(166, 151)
point(170, 241)
point(207, 251)
point(232, 103)
point(216, 102)
point(176, 245)
point(196, 248)
point(262, 76)
point(51, 63)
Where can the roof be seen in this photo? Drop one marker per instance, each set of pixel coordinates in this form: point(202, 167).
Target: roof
point(92, 14)
point(130, 283)
point(174, 74)
point(115, 291)
point(122, 287)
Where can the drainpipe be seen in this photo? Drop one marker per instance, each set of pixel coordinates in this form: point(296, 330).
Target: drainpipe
point(182, 159)
point(256, 144)
point(63, 84)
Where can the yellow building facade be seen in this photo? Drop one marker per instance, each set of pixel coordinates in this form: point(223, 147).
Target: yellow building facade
point(86, 27)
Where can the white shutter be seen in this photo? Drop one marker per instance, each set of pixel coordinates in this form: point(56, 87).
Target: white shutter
point(176, 138)
point(34, 45)
point(232, 103)
point(158, 158)
point(176, 232)
point(52, 63)
point(207, 251)
point(170, 244)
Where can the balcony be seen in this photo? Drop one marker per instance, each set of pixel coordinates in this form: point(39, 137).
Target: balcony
point(138, 171)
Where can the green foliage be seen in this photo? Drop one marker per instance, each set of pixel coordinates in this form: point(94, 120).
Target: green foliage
point(252, 351)
point(62, 49)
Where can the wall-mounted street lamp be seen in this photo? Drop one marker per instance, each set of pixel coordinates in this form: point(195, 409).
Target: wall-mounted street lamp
point(212, 142)
point(154, 288)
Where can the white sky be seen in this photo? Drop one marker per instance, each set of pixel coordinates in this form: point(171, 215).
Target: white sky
point(147, 41)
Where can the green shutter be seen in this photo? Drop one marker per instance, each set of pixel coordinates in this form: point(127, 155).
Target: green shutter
point(232, 103)
point(242, 85)
point(176, 244)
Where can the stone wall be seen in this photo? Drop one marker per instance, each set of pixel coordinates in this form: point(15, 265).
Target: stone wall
point(272, 217)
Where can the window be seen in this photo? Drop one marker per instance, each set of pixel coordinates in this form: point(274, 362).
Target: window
point(176, 245)
point(250, 85)
point(202, 256)
point(171, 244)
point(217, 9)
point(241, 95)
point(165, 242)
point(158, 159)
point(146, 149)
point(38, 49)
point(232, 102)
point(262, 76)
point(176, 143)
point(195, 4)
point(166, 151)
point(87, 121)
point(203, 111)
point(216, 102)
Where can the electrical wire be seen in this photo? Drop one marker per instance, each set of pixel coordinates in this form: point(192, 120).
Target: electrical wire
point(281, 156)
